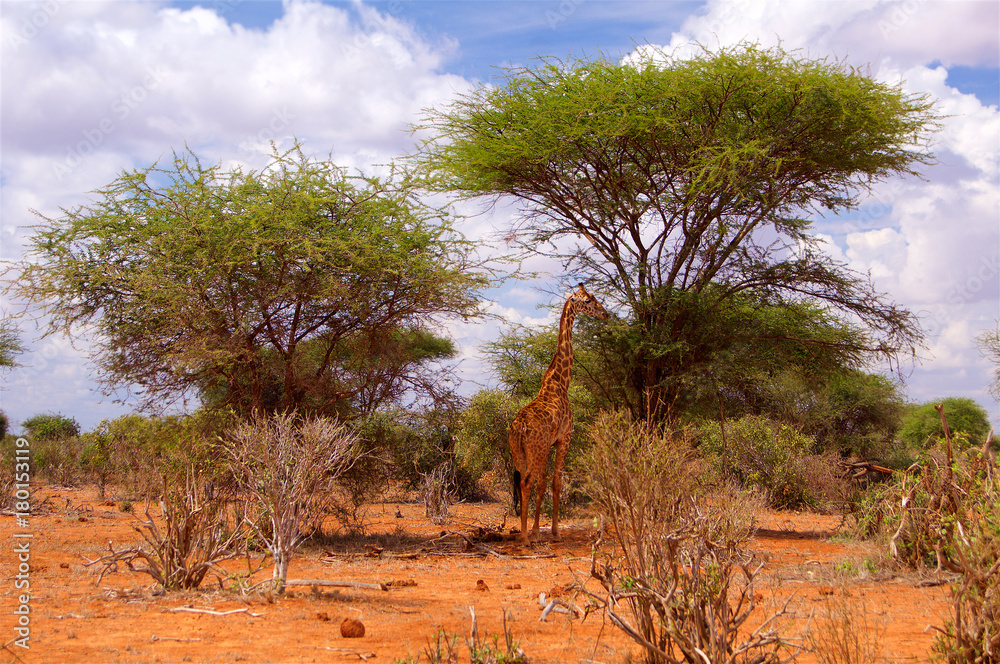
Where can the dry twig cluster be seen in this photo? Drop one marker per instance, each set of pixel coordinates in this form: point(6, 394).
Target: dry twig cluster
point(192, 541)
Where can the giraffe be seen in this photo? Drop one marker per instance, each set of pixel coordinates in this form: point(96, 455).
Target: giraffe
point(547, 421)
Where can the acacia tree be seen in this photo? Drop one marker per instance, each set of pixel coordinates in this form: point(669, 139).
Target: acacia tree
point(988, 342)
point(10, 343)
point(674, 186)
point(266, 290)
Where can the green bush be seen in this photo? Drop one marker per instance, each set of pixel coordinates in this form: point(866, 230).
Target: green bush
point(760, 453)
point(415, 444)
point(138, 453)
point(50, 426)
point(60, 460)
point(481, 439)
point(968, 421)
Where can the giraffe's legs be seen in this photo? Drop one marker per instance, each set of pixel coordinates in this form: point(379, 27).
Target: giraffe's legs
point(562, 447)
point(540, 495)
point(525, 490)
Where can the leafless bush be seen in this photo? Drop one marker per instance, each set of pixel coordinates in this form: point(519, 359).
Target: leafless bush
point(192, 540)
point(435, 489)
point(829, 490)
point(289, 467)
point(7, 481)
point(682, 571)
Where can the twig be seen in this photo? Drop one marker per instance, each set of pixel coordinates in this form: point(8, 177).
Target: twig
point(154, 638)
point(215, 613)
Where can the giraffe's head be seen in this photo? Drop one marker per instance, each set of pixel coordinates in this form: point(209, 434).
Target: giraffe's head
point(583, 302)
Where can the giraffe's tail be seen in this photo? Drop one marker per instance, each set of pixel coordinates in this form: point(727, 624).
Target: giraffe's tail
point(517, 492)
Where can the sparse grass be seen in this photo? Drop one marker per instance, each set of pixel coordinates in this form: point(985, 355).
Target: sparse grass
point(846, 632)
point(488, 649)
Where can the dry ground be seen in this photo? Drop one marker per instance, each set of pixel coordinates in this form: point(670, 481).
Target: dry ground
point(123, 620)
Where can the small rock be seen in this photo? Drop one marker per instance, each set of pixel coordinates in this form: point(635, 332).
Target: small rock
point(322, 616)
point(64, 565)
point(352, 629)
point(826, 590)
point(481, 586)
point(83, 519)
point(513, 586)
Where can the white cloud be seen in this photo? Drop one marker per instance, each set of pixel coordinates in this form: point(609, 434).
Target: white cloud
point(907, 32)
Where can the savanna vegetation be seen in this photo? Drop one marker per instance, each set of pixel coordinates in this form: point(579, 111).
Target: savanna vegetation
point(303, 309)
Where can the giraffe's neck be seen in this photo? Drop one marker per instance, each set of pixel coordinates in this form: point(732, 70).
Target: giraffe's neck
point(557, 376)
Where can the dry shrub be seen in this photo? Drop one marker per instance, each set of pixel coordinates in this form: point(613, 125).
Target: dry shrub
point(828, 488)
point(289, 466)
point(7, 480)
point(680, 565)
point(971, 547)
point(189, 543)
point(435, 489)
point(946, 514)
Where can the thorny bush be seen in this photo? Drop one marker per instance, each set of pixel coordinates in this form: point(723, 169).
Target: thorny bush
point(683, 572)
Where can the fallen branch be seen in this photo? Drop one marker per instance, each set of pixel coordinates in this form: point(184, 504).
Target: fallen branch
point(558, 605)
point(336, 584)
point(154, 638)
point(215, 613)
point(363, 656)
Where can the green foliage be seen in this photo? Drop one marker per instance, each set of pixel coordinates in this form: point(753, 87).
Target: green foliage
point(50, 426)
point(481, 438)
point(56, 450)
point(139, 453)
point(297, 286)
point(60, 460)
point(968, 421)
point(848, 412)
point(763, 454)
point(670, 224)
point(10, 343)
point(414, 443)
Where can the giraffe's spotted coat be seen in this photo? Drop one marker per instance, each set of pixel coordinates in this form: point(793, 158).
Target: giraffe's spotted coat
point(547, 421)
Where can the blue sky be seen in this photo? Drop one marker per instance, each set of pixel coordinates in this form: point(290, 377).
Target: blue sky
point(88, 88)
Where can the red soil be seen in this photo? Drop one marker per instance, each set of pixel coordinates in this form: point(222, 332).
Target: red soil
point(123, 620)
